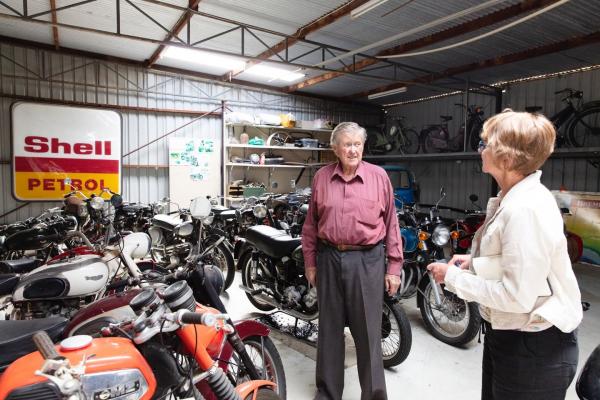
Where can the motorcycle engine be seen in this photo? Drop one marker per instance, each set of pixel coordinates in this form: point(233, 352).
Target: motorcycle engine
point(49, 308)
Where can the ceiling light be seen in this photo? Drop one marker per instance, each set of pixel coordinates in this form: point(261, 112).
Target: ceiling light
point(203, 58)
point(274, 73)
point(387, 93)
point(365, 8)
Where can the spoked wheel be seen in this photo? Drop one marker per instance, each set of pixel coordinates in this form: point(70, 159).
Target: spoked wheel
point(584, 129)
point(455, 321)
point(409, 142)
point(432, 140)
point(396, 335)
point(222, 257)
point(266, 359)
point(252, 277)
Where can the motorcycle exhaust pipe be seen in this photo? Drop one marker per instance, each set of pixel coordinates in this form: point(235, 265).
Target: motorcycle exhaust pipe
point(272, 302)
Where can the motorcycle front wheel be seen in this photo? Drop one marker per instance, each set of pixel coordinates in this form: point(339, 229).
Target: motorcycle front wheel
point(253, 277)
point(266, 359)
point(222, 257)
point(455, 322)
point(396, 334)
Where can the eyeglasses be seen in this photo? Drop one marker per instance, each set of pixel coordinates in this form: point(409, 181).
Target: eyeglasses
point(482, 145)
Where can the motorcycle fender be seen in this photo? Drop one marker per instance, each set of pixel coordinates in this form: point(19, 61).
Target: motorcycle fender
point(251, 388)
point(245, 329)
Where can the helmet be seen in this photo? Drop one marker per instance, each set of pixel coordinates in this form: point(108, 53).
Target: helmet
point(207, 283)
point(214, 276)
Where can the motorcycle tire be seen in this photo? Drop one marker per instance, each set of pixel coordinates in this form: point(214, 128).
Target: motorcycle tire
point(583, 130)
point(461, 310)
point(261, 349)
point(395, 350)
point(246, 264)
point(224, 260)
point(264, 394)
point(426, 136)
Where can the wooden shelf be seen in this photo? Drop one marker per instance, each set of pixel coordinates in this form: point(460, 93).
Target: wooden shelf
point(281, 128)
point(247, 146)
point(311, 165)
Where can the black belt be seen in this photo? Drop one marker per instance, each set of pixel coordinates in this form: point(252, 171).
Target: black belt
point(348, 247)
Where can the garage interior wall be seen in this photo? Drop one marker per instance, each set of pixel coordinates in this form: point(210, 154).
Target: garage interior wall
point(35, 74)
point(463, 177)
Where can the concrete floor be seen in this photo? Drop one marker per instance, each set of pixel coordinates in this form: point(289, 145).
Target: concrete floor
point(432, 369)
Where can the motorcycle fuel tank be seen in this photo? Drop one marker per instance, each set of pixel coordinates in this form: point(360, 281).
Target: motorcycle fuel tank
point(73, 277)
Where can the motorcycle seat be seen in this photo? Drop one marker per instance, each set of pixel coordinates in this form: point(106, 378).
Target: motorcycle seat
point(8, 282)
point(271, 241)
point(446, 118)
point(16, 336)
point(225, 214)
point(20, 266)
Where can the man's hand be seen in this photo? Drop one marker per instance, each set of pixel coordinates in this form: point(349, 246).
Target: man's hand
point(438, 270)
point(392, 283)
point(460, 260)
point(311, 275)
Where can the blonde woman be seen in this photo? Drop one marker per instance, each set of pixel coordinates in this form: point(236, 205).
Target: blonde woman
point(519, 269)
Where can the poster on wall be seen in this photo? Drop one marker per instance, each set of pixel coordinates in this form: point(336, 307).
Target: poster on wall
point(54, 143)
point(582, 222)
point(193, 169)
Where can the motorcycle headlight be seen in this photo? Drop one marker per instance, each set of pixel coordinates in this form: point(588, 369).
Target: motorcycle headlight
point(208, 220)
point(441, 235)
point(97, 203)
point(260, 211)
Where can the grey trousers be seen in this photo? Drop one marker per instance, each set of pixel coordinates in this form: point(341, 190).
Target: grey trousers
point(350, 289)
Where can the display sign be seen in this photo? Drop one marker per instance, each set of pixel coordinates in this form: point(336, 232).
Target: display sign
point(52, 143)
point(583, 221)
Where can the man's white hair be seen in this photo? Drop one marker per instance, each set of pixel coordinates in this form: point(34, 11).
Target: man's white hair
point(348, 127)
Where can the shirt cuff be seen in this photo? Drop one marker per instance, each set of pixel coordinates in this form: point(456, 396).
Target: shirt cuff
point(394, 267)
point(451, 276)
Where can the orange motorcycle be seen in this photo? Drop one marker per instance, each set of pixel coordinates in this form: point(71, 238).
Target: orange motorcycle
point(161, 354)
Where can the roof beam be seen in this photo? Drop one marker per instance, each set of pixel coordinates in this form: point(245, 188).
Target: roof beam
point(491, 62)
point(54, 27)
point(470, 26)
point(183, 20)
point(301, 33)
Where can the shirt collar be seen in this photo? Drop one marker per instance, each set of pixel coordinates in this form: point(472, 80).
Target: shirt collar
point(524, 185)
point(360, 172)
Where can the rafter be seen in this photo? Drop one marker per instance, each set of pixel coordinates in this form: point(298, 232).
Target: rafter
point(491, 62)
point(470, 26)
point(183, 20)
point(301, 33)
point(54, 27)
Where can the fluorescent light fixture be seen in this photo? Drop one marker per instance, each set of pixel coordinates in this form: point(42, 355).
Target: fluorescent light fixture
point(274, 73)
point(387, 93)
point(365, 8)
point(203, 58)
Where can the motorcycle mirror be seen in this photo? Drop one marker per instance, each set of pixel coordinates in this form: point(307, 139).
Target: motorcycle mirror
point(473, 198)
point(116, 200)
point(200, 207)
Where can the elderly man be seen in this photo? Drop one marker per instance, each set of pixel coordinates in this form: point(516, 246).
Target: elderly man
point(351, 217)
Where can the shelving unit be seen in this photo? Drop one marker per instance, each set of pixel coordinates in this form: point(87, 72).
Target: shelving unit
point(299, 165)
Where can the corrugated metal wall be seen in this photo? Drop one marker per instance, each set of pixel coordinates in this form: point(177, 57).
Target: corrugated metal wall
point(464, 177)
point(32, 74)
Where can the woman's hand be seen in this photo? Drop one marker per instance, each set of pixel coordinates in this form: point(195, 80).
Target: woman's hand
point(461, 260)
point(438, 270)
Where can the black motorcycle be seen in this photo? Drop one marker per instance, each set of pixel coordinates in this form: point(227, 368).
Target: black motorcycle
point(272, 267)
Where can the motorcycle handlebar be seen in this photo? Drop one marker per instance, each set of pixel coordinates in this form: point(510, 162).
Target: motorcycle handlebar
point(188, 317)
point(45, 346)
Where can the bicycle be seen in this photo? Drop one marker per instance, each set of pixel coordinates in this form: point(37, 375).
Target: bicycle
point(436, 138)
point(392, 137)
point(581, 120)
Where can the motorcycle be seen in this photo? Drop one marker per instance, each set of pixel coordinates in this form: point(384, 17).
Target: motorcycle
point(163, 351)
point(447, 317)
point(175, 237)
point(272, 267)
point(465, 228)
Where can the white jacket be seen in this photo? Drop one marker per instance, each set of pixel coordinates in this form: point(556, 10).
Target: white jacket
point(525, 229)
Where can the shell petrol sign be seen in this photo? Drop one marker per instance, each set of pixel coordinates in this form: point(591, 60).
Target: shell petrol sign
point(52, 143)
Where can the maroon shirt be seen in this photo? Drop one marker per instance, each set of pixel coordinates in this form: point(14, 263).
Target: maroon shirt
point(360, 211)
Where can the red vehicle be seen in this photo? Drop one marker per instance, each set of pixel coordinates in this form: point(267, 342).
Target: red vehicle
point(164, 351)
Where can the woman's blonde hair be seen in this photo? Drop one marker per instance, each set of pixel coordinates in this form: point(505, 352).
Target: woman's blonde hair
point(523, 139)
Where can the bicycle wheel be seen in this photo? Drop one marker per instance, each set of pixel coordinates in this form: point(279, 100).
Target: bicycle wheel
point(409, 142)
point(432, 140)
point(584, 129)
